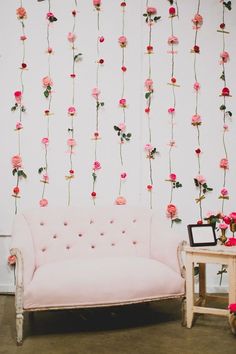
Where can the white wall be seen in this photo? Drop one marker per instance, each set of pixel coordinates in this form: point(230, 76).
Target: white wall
point(184, 160)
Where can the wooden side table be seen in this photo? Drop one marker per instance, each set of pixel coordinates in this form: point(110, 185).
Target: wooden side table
point(202, 255)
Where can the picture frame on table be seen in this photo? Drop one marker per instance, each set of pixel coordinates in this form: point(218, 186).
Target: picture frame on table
point(201, 235)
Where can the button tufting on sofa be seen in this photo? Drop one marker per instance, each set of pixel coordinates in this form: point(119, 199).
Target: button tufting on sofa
point(112, 222)
point(101, 233)
point(134, 220)
point(92, 246)
point(44, 249)
point(55, 236)
point(80, 235)
point(91, 222)
point(123, 231)
point(41, 223)
point(134, 242)
point(68, 247)
point(112, 244)
point(65, 223)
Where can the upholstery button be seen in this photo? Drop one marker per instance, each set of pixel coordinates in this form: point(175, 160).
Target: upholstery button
point(112, 222)
point(92, 246)
point(41, 223)
point(102, 234)
point(43, 249)
point(134, 242)
point(80, 235)
point(54, 236)
point(123, 231)
point(113, 244)
point(134, 220)
point(67, 247)
point(65, 223)
point(91, 222)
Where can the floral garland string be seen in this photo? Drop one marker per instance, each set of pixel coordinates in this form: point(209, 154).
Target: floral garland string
point(199, 181)
point(96, 92)
point(16, 160)
point(71, 111)
point(225, 93)
point(47, 84)
point(120, 128)
point(171, 209)
point(150, 18)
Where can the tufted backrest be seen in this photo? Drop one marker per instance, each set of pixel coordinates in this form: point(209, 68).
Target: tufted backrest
point(69, 232)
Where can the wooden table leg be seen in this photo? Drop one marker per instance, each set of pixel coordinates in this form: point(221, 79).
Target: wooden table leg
point(189, 290)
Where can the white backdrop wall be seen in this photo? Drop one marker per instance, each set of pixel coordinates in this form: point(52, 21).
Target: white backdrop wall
point(135, 163)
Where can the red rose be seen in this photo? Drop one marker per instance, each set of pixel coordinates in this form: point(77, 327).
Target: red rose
point(93, 194)
point(225, 91)
point(16, 190)
point(172, 11)
point(196, 49)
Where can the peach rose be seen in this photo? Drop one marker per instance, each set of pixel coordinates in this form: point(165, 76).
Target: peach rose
point(71, 142)
point(47, 81)
point(151, 10)
point(201, 179)
point(224, 163)
point(43, 202)
point(120, 201)
point(149, 84)
point(96, 2)
point(21, 13)
point(171, 211)
point(16, 161)
point(196, 119)
point(11, 260)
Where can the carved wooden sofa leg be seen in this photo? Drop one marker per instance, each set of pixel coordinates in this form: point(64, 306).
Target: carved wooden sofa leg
point(184, 314)
point(19, 328)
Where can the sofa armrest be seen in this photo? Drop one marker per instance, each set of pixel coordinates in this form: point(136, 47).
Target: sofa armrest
point(22, 247)
point(19, 279)
point(180, 251)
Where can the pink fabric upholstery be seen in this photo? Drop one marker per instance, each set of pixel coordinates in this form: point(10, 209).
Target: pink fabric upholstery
point(101, 281)
point(94, 256)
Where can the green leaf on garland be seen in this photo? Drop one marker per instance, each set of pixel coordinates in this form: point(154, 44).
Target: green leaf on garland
point(14, 171)
point(177, 220)
point(129, 135)
point(156, 18)
point(229, 113)
point(227, 5)
point(222, 107)
point(147, 95)
point(145, 15)
point(196, 182)
point(102, 104)
point(46, 93)
point(78, 56)
point(40, 170)
point(222, 77)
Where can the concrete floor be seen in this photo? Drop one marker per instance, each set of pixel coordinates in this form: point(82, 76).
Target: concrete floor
point(136, 329)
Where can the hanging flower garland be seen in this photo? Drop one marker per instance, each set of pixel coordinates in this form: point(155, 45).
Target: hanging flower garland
point(71, 111)
point(47, 84)
point(226, 114)
point(120, 128)
point(96, 92)
point(171, 209)
point(16, 160)
point(150, 151)
point(199, 181)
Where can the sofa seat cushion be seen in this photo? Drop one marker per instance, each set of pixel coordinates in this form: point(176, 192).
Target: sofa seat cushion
point(101, 281)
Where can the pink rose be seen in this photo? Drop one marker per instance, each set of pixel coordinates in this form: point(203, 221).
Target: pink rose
point(151, 10)
point(47, 81)
point(171, 211)
point(43, 202)
point(148, 147)
point(122, 126)
point(18, 96)
point(232, 307)
point(172, 177)
point(95, 92)
point(71, 142)
point(173, 40)
point(45, 178)
point(224, 57)
point(149, 84)
point(120, 201)
point(23, 38)
point(224, 192)
point(71, 37)
point(122, 41)
point(122, 102)
point(96, 2)
point(19, 126)
point(226, 219)
point(223, 226)
point(16, 161)
point(71, 111)
point(123, 175)
point(171, 110)
point(233, 216)
point(225, 127)
point(224, 163)
point(196, 86)
point(96, 165)
point(45, 141)
point(196, 120)
point(201, 179)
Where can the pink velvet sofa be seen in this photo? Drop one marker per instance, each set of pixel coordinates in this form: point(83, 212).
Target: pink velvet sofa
point(96, 256)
